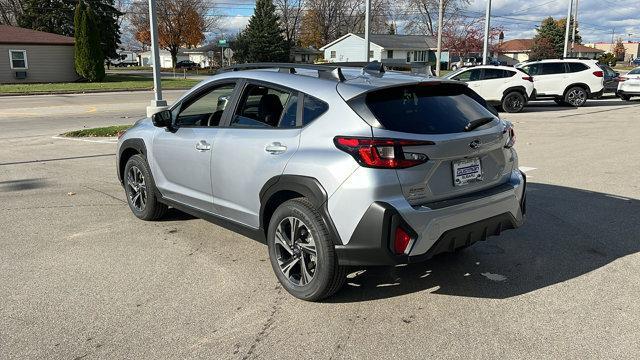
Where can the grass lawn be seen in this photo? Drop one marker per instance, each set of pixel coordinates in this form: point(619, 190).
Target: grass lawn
point(107, 131)
point(111, 83)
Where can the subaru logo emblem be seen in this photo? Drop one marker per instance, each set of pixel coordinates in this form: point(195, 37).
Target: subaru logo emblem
point(474, 144)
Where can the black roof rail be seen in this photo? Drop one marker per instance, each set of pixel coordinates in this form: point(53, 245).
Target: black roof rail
point(324, 71)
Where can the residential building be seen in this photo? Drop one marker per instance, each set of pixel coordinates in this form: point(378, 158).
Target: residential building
point(29, 56)
point(146, 59)
point(388, 49)
point(518, 50)
point(305, 55)
point(631, 49)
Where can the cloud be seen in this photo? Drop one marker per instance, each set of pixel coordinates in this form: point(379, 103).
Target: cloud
point(597, 19)
point(234, 24)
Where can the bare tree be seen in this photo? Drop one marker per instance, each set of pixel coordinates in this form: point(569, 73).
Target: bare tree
point(290, 12)
point(423, 17)
point(10, 10)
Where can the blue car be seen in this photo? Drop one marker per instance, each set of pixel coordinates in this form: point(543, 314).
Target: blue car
point(636, 62)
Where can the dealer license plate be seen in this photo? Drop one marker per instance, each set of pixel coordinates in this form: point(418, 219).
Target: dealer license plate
point(466, 171)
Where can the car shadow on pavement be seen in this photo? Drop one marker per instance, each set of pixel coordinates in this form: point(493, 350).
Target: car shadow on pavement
point(541, 106)
point(568, 233)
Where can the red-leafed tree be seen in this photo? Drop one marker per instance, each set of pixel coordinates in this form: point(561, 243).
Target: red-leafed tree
point(463, 36)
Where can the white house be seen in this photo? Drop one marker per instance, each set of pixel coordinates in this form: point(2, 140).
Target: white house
point(386, 48)
point(146, 59)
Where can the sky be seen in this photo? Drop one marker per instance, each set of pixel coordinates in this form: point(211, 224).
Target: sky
point(598, 19)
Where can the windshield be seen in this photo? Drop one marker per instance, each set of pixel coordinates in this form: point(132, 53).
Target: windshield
point(635, 71)
point(430, 109)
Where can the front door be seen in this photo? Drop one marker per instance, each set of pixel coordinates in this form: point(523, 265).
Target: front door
point(260, 138)
point(182, 155)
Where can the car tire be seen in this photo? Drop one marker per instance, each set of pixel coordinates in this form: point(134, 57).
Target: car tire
point(141, 190)
point(576, 96)
point(513, 102)
point(454, 68)
point(307, 267)
point(625, 97)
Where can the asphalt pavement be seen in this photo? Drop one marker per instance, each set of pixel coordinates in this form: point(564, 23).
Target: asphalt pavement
point(82, 278)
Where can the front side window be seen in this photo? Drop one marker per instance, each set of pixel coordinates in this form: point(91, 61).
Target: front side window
point(469, 75)
point(18, 59)
point(532, 70)
point(263, 107)
point(206, 109)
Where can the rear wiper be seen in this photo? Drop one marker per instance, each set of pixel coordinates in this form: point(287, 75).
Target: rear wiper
point(477, 123)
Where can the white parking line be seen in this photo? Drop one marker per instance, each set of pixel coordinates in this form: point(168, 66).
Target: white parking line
point(101, 141)
point(526, 169)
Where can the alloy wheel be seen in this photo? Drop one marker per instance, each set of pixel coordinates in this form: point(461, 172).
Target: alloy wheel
point(576, 97)
point(514, 103)
point(295, 251)
point(137, 188)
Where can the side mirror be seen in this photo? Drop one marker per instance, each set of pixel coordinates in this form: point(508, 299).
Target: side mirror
point(162, 118)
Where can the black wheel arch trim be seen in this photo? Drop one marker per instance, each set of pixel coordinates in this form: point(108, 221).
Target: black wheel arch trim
point(582, 85)
point(135, 144)
point(306, 186)
point(521, 89)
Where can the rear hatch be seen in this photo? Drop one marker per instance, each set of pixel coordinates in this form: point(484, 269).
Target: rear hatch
point(462, 137)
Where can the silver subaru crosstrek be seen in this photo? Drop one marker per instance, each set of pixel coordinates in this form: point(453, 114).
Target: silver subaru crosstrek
point(331, 167)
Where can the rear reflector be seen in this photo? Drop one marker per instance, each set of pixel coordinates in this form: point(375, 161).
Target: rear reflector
point(381, 153)
point(598, 73)
point(401, 241)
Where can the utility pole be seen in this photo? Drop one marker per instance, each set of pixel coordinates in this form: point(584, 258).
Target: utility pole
point(367, 20)
point(439, 52)
point(487, 25)
point(575, 25)
point(566, 31)
point(157, 104)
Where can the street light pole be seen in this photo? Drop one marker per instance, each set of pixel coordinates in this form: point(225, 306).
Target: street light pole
point(157, 104)
point(487, 25)
point(566, 31)
point(575, 24)
point(439, 51)
point(367, 20)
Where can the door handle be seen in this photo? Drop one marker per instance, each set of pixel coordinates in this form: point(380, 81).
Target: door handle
point(203, 146)
point(275, 148)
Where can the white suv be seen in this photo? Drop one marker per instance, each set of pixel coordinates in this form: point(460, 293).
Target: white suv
point(504, 86)
point(567, 81)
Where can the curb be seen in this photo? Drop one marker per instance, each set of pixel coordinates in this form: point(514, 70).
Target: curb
point(83, 92)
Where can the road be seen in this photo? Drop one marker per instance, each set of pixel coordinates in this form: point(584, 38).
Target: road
point(81, 277)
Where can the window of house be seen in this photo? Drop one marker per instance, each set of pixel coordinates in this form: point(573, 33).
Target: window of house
point(18, 59)
point(333, 54)
point(408, 56)
point(370, 54)
point(389, 54)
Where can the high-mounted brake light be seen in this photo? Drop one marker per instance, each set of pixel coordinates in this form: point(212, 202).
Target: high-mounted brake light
point(528, 78)
point(382, 153)
point(598, 73)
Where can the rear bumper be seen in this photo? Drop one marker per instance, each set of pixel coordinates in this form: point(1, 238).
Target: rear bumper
point(597, 94)
point(439, 227)
point(630, 93)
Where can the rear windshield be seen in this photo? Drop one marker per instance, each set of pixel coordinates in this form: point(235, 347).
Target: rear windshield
point(426, 109)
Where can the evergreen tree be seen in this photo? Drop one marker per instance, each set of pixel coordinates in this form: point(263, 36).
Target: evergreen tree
point(262, 40)
point(550, 39)
point(58, 17)
point(89, 59)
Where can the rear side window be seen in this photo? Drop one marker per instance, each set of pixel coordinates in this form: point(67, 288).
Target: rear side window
point(553, 68)
point(426, 109)
point(576, 67)
point(261, 106)
point(312, 109)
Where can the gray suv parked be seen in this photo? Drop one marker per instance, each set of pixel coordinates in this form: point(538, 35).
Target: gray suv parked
point(331, 167)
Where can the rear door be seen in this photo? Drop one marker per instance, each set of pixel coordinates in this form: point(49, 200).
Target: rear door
point(255, 145)
point(493, 81)
point(552, 78)
point(182, 156)
point(439, 114)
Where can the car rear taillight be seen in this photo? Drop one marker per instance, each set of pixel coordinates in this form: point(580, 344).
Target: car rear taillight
point(528, 78)
point(401, 241)
point(382, 153)
point(621, 79)
point(511, 136)
point(598, 73)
